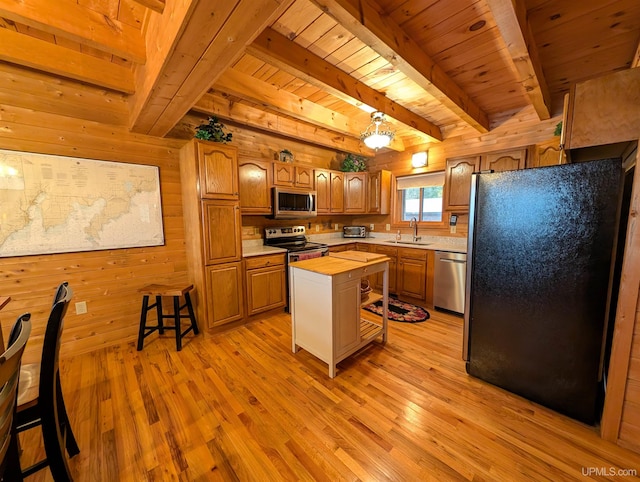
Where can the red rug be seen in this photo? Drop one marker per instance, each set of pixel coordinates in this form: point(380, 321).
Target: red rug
point(400, 311)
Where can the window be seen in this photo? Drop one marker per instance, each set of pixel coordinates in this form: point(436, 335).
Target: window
point(420, 197)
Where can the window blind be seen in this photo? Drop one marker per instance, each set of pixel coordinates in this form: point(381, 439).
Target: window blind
point(420, 180)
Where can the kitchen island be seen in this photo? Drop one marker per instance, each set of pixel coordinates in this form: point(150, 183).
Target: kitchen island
point(326, 315)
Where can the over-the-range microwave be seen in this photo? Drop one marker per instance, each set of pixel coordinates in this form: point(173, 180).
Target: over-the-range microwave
point(291, 203)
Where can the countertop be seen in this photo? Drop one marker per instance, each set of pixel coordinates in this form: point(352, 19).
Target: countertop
point(255, 247)
point(333, 265)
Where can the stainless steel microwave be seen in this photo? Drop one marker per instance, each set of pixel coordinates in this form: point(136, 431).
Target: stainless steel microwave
point(294, 203)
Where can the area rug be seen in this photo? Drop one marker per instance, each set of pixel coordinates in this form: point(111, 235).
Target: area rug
point(399, 311)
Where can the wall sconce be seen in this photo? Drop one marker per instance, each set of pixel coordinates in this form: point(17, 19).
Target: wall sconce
point(419, 159)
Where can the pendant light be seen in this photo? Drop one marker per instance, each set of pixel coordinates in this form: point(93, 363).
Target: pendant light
point(377, 134)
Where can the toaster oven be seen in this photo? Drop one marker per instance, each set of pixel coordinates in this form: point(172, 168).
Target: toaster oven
point(354, 232)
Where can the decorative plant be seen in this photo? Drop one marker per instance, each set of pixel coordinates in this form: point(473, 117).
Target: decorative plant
point(286, 155)
point(213, 131)
point(353, 163)
point(558, 129)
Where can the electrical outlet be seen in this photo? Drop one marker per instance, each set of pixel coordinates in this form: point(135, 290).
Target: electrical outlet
point(388, 227)
point(452, 229)
point(335, 226)
point(317, 228)
point(81, 307)
point(371, 227)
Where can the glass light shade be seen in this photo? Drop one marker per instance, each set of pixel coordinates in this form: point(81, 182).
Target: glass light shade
point(419, 159)
point(377, 134)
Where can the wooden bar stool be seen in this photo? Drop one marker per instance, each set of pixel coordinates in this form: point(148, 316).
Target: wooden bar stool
point(166, 290)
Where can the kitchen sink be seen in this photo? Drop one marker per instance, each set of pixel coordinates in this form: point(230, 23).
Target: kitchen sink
point(410, 243)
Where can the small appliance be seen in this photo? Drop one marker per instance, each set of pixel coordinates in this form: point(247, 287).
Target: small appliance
point(354, 232)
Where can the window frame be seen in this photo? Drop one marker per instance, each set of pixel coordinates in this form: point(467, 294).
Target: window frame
point(397, 211)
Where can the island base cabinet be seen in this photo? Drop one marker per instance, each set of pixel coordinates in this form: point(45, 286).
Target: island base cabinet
point(224, 293)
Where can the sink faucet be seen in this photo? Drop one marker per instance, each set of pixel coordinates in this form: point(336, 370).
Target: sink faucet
point(414, 224)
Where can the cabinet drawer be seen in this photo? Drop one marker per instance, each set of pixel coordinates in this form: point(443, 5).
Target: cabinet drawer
point(264, 261)
point(412, 253)
point(386, 250)
point(351, 275)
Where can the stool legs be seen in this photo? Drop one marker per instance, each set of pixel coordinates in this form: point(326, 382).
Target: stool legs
point(143, 321)
point(160, 317)
point(177, 315)
point(192, 315)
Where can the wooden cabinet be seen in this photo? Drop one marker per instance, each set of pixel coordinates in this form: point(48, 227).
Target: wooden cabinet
point(392, 253)
point(287, 174)
point(330, 191)
point(218, 170)
point(504, 160)
point(379, 192)
point(342, 247)
point(547, 154)
point(212, 222)
point(255, 187)
point(457, 182)
point(221, 225)
point(355, 192)
point(412, 273)
point(223, 288)
point(265, 282)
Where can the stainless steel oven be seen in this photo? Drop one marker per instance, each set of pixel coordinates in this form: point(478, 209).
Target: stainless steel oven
point(291, 203)
point(294, 240)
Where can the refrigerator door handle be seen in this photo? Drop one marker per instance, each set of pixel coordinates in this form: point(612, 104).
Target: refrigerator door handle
point(470, 242)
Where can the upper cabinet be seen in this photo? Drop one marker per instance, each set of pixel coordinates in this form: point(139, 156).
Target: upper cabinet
point(355, 192)
point(255, 186)
point(218, 170)
point(287, 174)
point(337, 192)
point(457, 182)
point(379, 192)
point(504, 160)
point(547, 154)
point(330, 191)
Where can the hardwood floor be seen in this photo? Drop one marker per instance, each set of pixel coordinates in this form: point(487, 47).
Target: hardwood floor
point(242, 406)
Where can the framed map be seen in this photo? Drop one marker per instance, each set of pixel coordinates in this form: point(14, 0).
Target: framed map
point(56, 204)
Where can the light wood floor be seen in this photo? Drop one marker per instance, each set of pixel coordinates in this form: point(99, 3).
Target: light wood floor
point(241, 406)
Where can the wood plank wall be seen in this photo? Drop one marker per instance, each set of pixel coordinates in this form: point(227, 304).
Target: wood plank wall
point(106, 280)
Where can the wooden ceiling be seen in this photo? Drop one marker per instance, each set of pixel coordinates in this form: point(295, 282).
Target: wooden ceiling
point(310, 69)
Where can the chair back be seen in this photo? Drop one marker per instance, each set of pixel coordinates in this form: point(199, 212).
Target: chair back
point(50, 396)
point(9, 374)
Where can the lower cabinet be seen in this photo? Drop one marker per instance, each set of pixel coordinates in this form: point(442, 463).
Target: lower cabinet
point(392, 253)
point(265, 282)
point(412, 273)
point(346, 315)
point(224, 293)
point(342, 247)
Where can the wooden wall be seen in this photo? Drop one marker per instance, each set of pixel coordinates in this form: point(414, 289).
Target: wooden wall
point(106, 280)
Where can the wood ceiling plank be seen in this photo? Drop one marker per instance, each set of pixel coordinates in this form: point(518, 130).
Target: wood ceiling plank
point(155, 5)
point(214, 104)
point(45, 56)
point(330, 41)
point(283, 102)
point(287, 55)
point(188, 73)
point(364, 20)
point(68, 19)
point(297, 17)
point(511, 17)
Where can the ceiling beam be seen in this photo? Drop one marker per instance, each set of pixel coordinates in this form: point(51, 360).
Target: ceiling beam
point(511, 18)
point(364, 20)
point(155, 5)
point(247, 115)
point(259, 92)
point(212, 36)
point(276, 49)
point(41, 55)
point(635, 62)
point(67, 19)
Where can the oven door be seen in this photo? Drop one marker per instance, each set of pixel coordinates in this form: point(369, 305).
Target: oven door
point(293, 204)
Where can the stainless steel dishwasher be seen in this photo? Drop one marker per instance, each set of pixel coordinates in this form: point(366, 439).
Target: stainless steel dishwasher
point(449, 281)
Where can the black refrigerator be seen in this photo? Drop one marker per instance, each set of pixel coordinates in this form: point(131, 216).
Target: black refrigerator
point(540, 251)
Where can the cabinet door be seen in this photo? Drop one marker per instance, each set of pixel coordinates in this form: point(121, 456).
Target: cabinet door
point(346, 316)
point(504, 160)
point(412, 274)
point(457, 182)
point(283, 174)
point(379, 192)
point(337, 192)
point(224, 293)
point(355, 192)
point(218, 171)
point(255, 187)
point(265, 289)
point(323, 190)
point(547, 154)
point(222, 236)
point(304, 177)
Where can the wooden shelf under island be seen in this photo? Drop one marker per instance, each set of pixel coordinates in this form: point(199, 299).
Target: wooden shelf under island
point(326, 315)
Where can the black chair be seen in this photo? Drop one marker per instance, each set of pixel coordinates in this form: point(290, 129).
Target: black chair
point(45, 407)
point(9, 376)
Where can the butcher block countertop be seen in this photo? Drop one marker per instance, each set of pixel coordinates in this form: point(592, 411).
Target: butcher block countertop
point(338, 263)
